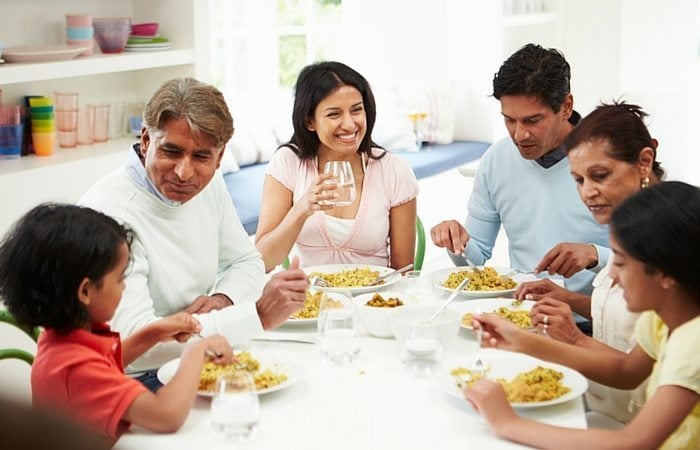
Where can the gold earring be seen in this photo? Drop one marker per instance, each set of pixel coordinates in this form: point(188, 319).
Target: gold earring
point(645, 182)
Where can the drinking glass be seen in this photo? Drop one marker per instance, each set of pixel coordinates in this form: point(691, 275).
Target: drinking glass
point(417, 287)
point(339, 338)
point(343, 177)
point(421, 351)
point(235, 410)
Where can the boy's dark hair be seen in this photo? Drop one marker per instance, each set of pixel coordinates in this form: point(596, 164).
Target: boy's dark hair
point(316, 82)
point(534, 70)
point(46, 256)
point(622, 125)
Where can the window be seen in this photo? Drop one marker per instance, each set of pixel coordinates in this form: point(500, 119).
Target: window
point(262, 45)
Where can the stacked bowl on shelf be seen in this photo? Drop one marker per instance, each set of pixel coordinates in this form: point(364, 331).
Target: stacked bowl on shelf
point(43, 125)
point(144, 38)
point(80, 32)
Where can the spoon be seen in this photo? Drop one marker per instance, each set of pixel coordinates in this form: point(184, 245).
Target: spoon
point(391, 274)
point(449, 299)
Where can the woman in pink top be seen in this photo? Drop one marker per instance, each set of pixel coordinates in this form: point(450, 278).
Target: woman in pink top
point(334, 113)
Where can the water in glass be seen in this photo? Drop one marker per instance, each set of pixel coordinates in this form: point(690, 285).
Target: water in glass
point(421, 351)
point(235, 410)
point(339, 339)
point(417, 287)
point(343, 177)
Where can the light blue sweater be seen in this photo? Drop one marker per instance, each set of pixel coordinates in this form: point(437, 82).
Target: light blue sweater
point(538, 209)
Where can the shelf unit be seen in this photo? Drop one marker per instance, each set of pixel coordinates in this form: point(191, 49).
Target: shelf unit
point(124, 77)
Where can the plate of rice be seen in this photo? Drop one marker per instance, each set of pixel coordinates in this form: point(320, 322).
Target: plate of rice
point(351, 278)
point(515, 311)
point(308, 315)
point(270, 372)
point(488, 282)
point(529, 382)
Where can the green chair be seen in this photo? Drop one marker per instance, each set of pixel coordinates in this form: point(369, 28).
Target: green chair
point(420, 247)
point(33, 333)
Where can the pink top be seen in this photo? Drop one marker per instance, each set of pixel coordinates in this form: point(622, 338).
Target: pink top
point(388, 182)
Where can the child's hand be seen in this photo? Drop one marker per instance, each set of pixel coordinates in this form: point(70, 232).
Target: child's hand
point(215, 348)
point(180, 327)
point(489, 399)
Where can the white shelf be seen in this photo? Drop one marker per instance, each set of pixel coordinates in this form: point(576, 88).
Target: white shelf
point(520, 20)
point(11, 73)
point(67, 155)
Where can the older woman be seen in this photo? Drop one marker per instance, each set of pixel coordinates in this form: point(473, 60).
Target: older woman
point(333, 116)
point(612, 156)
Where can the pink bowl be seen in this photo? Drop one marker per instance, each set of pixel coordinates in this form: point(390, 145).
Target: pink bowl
point(112, 34)
point(144, 29)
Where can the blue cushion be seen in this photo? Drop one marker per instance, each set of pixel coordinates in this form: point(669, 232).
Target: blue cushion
point(246, 185)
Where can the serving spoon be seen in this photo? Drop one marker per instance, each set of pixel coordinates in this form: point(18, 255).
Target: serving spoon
point(449, 299)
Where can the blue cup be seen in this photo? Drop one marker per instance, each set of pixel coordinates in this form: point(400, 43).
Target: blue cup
point(11, 141)
point(79, 33)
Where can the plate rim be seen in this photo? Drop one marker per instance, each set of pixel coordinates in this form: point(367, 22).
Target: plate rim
point(292, 368)
point(383, 270)
point(577, 389)
point(53, 52)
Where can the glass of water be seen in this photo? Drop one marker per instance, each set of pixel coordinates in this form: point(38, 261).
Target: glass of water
point(417, 287)
point(235, 409)
point(338, 336)
point(421, 350)
point(343, 177)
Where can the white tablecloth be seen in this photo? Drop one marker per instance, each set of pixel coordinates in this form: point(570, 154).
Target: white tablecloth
point(373, 404)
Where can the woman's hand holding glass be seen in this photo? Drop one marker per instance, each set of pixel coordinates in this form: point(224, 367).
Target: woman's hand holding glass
point(343, 182)
point(318, 196)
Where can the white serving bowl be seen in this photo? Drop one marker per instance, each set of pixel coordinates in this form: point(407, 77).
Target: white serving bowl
point(402, 320)
point(376, 319)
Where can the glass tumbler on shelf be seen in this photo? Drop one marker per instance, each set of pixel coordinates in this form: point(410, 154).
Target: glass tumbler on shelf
point(343, 176)
point(235, 409)
point(338, 336)
point(86, 120)
point(100, 131)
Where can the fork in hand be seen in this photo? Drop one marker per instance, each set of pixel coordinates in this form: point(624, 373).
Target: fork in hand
point(479, 367)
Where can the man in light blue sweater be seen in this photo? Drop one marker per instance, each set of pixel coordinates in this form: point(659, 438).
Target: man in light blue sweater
point(524, 182)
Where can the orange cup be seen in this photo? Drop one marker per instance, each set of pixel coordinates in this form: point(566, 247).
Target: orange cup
point(43, 143)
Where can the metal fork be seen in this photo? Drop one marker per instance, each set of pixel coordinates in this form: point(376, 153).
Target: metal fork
point(479, 367)
point(471, 264)
point(208, 352)
point(318, 281)
point(378, 280)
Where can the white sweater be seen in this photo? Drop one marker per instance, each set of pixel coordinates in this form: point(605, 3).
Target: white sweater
point(179, 253)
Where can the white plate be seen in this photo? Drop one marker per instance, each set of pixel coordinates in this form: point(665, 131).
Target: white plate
point(147, 49)
point(439, 276)
point(488, 305)
point(41, 54)
point(334, 268)
point(508, 365)
point(277, 364)
point(150, 45)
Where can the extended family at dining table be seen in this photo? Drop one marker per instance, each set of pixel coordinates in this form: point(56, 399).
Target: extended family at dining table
point(155, 254)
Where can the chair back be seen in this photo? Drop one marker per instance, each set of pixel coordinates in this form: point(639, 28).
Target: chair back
point(15, 353)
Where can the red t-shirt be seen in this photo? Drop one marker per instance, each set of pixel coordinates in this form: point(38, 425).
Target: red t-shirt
point(81, 375)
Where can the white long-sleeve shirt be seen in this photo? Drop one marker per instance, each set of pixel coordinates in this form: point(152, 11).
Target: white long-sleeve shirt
point(181, 252)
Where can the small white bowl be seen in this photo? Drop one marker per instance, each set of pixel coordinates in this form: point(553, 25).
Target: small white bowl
point(376, 319)
point(403, 319)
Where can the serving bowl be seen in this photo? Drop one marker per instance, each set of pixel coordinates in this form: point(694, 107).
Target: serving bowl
point(377, 319)
point(112, 34)
point(404, 319)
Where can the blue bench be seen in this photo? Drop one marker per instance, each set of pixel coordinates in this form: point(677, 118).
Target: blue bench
point(245, 185)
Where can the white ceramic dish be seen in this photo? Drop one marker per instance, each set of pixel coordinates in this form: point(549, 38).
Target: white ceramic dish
point(439, 276)
point(335, 268)
point(375, 319)
point(489, 305)
point(508, 365)
point(275, 363)
point(41, 54)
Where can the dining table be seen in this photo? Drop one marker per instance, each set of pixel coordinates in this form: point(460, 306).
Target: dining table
point(372, 403)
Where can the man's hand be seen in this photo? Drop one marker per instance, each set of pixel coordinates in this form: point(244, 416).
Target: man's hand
point(568, 258)
point(206, 303)
point(451, 235)
point(283, 295)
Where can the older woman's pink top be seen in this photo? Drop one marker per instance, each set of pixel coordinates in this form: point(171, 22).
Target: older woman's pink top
point(388, 182)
